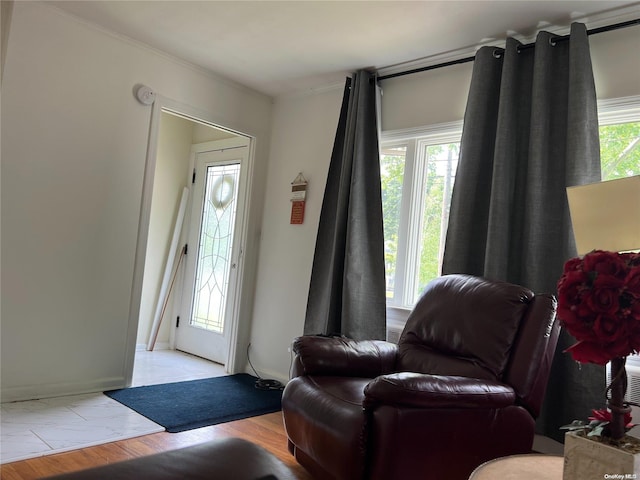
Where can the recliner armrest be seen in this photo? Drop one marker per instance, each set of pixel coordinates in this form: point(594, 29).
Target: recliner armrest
point(342, 356)
point(436, 391)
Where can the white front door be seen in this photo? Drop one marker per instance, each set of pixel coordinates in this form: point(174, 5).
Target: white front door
point(214, 249)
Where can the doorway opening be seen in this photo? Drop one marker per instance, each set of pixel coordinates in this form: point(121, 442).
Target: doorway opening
point(201, 172)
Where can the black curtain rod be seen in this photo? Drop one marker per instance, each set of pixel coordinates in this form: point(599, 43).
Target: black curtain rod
point(607, 28)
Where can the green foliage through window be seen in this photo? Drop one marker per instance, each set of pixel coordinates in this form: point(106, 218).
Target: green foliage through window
point(392, 163)
point(620, 150)
point(441, 162)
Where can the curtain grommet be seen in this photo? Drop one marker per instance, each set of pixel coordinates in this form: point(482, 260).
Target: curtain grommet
point(497, 53)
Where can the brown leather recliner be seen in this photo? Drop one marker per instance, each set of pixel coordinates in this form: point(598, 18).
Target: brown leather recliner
point(463, 386)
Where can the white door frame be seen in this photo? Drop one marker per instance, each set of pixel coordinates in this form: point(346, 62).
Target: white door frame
point(164, 104)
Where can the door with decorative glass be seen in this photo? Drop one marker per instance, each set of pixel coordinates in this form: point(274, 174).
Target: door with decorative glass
point(214, 250)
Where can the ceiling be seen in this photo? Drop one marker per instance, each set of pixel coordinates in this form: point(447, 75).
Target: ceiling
point(279, 47)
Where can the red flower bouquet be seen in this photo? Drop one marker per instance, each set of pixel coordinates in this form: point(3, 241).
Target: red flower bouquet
point(599, 305)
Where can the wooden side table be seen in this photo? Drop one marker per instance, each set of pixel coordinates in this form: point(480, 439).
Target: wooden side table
point(521, 467)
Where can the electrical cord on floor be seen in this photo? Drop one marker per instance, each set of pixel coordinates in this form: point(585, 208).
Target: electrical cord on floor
point(264, 383)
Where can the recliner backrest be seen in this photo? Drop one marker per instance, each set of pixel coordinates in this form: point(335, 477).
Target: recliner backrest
point(463, 325)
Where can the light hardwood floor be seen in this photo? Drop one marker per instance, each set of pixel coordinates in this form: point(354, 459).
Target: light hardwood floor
point(266, 431)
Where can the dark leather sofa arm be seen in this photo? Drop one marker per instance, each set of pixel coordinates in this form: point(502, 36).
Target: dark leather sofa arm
point(317, 355)
point(435, 391)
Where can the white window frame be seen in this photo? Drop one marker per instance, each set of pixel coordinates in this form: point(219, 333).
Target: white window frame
point(415, 140)
point(619, 110)
point(610, 112)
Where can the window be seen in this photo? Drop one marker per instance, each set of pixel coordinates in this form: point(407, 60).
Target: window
point(418, 169)
point(417, 174)
point(620, 138)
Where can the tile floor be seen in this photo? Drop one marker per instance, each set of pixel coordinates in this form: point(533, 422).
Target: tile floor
point(42, 427)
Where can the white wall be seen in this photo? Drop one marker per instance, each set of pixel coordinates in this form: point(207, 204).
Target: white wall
point(74, 144)
point(302, 138)
point(614, 56)
point(426, 98)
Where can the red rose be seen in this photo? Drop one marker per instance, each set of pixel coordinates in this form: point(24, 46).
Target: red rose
point(573, 264)
point(574, 315)
point(578, 320)
point(620, 345)
point(585, 312)
point(632, 282)
point(631, 259)
point(599, 304)
point(634, 313)
point(570, 287)
point(605, 263)
point(579, 327)
point(604, 295)
point(589, 352)
point(608, 328)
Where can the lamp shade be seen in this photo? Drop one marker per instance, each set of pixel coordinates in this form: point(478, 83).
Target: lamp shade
point(606, 215)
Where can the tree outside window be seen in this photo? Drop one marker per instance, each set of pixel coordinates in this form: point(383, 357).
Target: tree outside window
point(620, 150)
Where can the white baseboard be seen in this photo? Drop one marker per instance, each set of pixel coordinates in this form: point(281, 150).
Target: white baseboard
point(36, 392)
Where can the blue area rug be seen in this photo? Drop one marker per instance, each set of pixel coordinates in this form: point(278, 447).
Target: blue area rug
point(199, 403)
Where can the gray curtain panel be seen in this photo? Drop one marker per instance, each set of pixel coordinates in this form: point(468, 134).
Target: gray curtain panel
point(347, 291)
point(530, 130)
